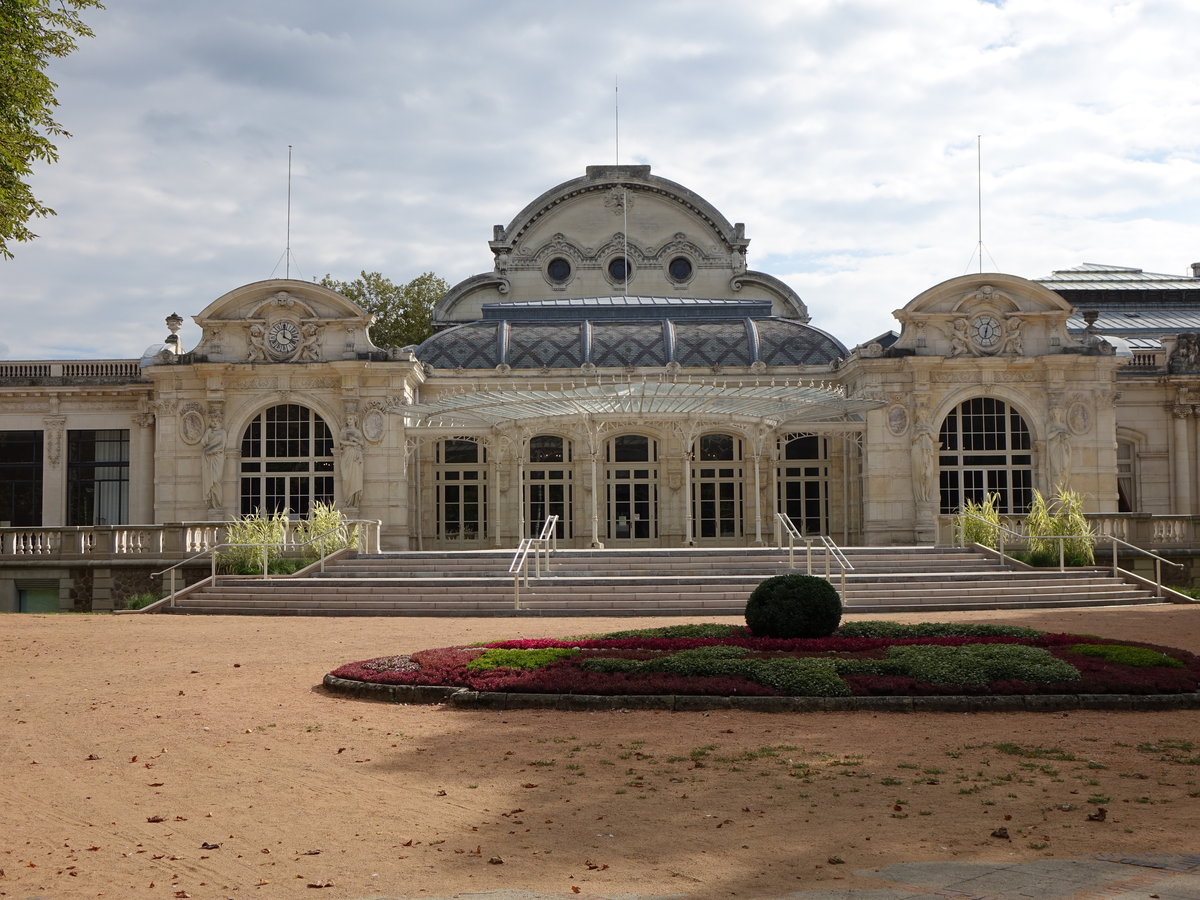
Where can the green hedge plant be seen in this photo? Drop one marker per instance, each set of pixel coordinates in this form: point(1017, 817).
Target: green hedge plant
point(794, 606)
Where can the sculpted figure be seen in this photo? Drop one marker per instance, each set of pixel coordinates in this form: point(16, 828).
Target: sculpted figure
point(258, 343)
point(307, 351)
point(352, 462)
point(214, 462)
point(922, 465)
point(958, 340)
point(1012, 337)
point(1058, 448)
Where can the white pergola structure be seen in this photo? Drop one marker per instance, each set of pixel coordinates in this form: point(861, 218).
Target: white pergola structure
point(683, 406)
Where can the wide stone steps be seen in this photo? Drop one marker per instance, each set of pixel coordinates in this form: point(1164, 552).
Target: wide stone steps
point(664, 582)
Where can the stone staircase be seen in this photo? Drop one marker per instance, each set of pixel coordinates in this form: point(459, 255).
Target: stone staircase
point(691, 582)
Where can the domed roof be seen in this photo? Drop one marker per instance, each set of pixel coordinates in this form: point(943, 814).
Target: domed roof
point(641, 342)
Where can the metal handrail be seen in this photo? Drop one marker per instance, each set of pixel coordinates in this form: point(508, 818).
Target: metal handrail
point(833, 553)
point(1001, 530)
point(541, 546)
point(265, 546)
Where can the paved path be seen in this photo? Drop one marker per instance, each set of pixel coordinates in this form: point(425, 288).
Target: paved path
point(1108, 877)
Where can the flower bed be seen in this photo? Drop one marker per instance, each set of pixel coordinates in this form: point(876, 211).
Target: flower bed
point(862, 659)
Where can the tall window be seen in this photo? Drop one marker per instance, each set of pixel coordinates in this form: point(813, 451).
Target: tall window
point(1127, 497)
point(632, 487)
point(21, 478)
point(287, 462)
point(717, 486)
point(460, 476)
point(98, 477)
point(985, 449)
point(802, 485)
point(548, 484)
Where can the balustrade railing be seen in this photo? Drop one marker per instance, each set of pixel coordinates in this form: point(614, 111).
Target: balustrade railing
point(174, 540)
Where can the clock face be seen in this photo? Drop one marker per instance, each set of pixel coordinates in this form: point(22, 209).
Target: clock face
point(985, 331)
point(283, 337)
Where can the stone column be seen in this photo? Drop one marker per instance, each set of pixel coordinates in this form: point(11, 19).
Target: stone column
point(54, 471)
point(141, 470)
point(1181, 490)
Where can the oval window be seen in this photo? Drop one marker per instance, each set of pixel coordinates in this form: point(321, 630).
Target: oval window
point(618, 269)
point(559, 270)
point(680, 268)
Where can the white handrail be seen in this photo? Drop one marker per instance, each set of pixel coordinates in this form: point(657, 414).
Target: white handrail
point(265, 547)
point(1001, 531)
point(833, 553)
point(541, 546)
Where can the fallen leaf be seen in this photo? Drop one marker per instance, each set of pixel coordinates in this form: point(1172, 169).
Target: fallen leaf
point(207, 846)
point(1001, 832)
point(440, 794)
point(155, 784)
point(529, 785)
point(319, 884)
point(133, 759)
point(495, 861)
point(574, 889)
point(835, 861)
point(156, 819)
point(92, 756)
point(316, 852)
point(1099, 815)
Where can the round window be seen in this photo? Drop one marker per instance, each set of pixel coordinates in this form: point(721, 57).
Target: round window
point(618, 269)
point(559, 270)
point(680, 268)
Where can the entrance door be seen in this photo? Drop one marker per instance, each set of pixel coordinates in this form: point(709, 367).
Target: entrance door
point(632, 489)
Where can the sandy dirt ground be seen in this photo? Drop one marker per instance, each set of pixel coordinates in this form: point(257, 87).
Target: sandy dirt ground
point(167, 757)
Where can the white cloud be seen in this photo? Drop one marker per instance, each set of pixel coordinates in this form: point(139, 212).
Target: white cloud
point(842, 133)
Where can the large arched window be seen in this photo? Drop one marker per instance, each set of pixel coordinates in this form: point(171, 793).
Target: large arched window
point(985, 449)
point(287, 462)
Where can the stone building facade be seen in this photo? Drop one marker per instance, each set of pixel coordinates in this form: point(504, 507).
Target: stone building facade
point(620, 367)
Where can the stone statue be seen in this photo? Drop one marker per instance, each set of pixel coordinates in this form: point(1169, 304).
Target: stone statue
point(922, 465)
point(959, 342)
point(308, 350)
point(352, 462)
point(1058, 448)
point(1012, 337)
point(214, 462)
point(258, 343)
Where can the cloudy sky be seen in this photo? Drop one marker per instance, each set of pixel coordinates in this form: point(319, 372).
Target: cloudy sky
point(842, 132)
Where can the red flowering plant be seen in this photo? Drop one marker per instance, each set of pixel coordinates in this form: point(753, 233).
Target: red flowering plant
point(862, 659)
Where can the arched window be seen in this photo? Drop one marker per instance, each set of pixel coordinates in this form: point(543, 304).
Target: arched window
point(717, 478)
point(632, 487)
point(460, 475)
point(549, 490)
point(287, 462)
point(802, 484)
point(985, 449)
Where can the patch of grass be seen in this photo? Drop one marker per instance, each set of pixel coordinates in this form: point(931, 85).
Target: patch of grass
point(1036, 752)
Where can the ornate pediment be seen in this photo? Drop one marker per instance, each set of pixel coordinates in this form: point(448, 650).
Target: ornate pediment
point(990, 315)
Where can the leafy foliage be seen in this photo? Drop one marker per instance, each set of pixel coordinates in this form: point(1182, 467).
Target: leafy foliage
point(1128, 656)
point(697, 630)
point(519, 659)
point(794, 606)
point(32, 32)
point(248, 535)
point(980, 521)
point(1063, 515)
point(403, 312)
point(978, 664)
point(885, 629)
point(323, 532)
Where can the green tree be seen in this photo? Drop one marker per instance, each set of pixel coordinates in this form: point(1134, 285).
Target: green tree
point(32, 32)
point(403, 312)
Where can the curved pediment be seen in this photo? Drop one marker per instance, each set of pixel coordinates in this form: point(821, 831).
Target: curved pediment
point(283, 320)
point(986, 314)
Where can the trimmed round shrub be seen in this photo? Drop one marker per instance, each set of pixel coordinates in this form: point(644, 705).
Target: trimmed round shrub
point(794, 606)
